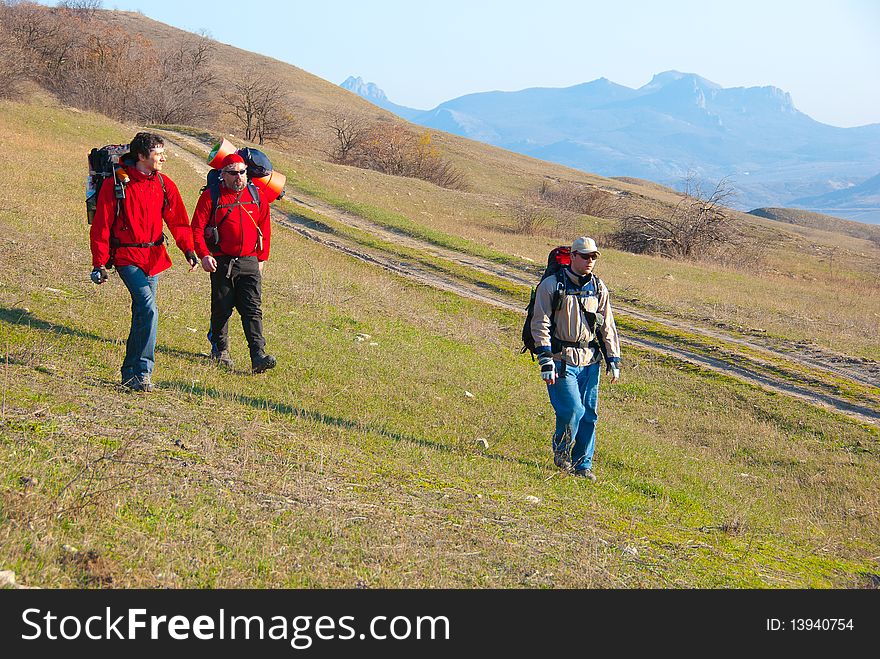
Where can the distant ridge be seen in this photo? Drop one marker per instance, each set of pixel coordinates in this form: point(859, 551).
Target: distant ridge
point(858, 202)
point(675, 125)
point(813, 220)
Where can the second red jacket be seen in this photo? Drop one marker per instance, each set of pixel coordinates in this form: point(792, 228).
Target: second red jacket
point(237, 219)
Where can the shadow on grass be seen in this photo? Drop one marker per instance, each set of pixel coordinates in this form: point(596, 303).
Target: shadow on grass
point(24, 318)
point(335, 421)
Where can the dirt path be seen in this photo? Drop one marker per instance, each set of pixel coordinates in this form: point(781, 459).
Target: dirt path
point(745, 367)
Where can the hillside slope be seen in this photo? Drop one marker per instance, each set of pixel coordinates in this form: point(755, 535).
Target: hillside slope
point(354, 464)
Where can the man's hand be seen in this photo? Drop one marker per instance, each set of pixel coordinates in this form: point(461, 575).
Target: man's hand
point(192, 259)
point(209, 263)
point(99, 275)
point(260, 266)
point(548, 368)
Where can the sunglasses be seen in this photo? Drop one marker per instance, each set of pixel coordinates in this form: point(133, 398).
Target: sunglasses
point(235, 172)
point(586, 257)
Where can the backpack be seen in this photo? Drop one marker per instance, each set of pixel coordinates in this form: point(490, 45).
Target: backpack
point(258, 163)
point(557, 260)
point(212, 228)
point(104, 163)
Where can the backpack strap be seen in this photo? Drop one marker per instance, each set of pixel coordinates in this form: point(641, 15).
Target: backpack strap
point(255, 193)
point(164, 194)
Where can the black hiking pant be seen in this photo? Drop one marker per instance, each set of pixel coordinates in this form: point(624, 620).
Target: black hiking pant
point(237, 284)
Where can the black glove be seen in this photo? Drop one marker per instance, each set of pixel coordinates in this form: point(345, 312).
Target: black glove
point(192, 259)
point(99, 274)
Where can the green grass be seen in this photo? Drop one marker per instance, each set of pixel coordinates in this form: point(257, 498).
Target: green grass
point(357, 464)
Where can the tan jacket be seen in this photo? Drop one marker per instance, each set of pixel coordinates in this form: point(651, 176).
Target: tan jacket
point(571, 323)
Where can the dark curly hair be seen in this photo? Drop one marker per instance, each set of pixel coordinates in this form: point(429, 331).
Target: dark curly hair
point(143, 143)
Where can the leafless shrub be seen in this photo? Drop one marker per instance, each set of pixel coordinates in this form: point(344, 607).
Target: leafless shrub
point(391, 148)
point(529, 218)
point(698, 226)
point(579, 198)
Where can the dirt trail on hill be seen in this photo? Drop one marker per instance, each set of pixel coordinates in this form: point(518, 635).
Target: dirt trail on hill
point(750, 368)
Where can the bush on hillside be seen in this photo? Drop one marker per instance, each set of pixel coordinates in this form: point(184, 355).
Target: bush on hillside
point(698, 226)
point(392, 149)
point(579, 198)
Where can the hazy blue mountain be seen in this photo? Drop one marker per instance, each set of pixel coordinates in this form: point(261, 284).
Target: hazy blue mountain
point(376, 96)
point(676, 124)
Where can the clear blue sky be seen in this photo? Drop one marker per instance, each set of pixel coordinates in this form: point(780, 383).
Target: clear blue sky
point(826, 54)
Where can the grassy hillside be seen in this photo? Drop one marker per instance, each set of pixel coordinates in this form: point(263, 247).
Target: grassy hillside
point(356, 462)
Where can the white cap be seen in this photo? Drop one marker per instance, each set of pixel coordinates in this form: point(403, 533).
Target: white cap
point(585, 245)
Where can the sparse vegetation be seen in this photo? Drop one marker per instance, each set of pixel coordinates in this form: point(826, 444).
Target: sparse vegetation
point(391, 148)
point(98, 66)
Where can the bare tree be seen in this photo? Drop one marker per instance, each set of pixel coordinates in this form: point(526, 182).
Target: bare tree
point(17, 61)
point(350, 130)
point(697, 225)
point(84, 8)
point(259, 106)
point(181, 85)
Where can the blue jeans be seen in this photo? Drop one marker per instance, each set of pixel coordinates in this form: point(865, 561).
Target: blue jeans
point(140, 349)
point(575, 399)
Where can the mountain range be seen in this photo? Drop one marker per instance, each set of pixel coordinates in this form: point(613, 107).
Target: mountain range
point(677, 124)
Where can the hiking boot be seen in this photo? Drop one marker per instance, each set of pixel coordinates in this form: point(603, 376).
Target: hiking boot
point(263, 363)
point(562, 461)
point(586, 473)
point(222, 358)
point(139, 384)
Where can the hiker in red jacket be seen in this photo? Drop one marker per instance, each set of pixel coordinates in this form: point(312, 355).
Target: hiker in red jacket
point(128, 233)
point(235, 260)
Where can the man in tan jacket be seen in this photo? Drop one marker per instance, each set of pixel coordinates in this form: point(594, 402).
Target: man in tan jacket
point(572, 327)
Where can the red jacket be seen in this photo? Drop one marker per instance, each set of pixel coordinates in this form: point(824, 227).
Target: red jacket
point(139, 221)
point(237, 224)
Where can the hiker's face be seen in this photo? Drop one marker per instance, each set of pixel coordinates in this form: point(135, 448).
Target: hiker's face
point(154, 161)
point(235, 177)
point(582, 264)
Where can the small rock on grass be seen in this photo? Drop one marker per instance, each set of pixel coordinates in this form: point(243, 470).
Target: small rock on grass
point(7, 579)
point(532, 499)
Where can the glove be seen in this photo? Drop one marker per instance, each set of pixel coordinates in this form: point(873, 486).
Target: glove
point(99, 275)
point(192, 259)
point(548, 368)
point(614, 369)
